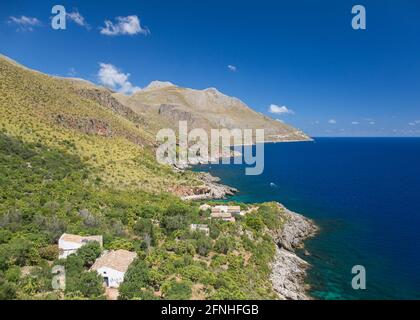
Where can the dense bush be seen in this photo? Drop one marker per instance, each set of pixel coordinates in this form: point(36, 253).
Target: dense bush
point(174, 290)
point(254, 221)
point(203, 245)
point(224, 245)
point(89, 253)
point(136, 280)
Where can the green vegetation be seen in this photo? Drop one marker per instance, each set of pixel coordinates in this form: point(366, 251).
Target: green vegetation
point(57, 175)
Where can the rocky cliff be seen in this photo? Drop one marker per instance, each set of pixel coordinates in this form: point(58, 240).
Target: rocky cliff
point(288, 269)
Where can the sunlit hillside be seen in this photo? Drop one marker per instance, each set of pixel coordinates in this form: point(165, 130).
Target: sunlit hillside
point(83, 120)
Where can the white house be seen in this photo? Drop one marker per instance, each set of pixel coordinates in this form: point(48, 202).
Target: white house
point(221, 212)
point(222, 209)
point(200, 227)
point(70, 243)
point(234, 210)
point(112, 266)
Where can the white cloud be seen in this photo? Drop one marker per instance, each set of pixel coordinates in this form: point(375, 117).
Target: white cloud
point(232, 68)
point(417, 121)
point(24, 23)
point(111, 77)
point(332, 121)
point(77, 18)
point(280, 110)
point(372, 123)
point(355, 122)
point(129, 25)
point(411, 123)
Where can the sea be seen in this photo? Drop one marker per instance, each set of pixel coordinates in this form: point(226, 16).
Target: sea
point(363, 193)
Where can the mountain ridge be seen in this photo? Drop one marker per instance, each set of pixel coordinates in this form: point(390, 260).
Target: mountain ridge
point(208, 109)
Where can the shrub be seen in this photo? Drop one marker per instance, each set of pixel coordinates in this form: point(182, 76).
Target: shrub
point(254, 221)
point(136, 278)
point(49, 252)
point(7, 289)
point(143, 226)
point(89, 253)
point(270, 215)
point(13, 274)
point(203, 246)
point(173, 223)
point(90, 285)
point(223, 245)
point(121, 243)
point(174, 290)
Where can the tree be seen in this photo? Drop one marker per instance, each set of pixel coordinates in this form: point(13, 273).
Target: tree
point(203, 246)
point(90, 285)
point(173, 223)
point(136, 279)
point(143, 226)
point(254, 221)
point(223, 245)
point(177, 209)
point(89, 253)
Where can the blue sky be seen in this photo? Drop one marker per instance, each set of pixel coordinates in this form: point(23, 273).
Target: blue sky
point(301, 55)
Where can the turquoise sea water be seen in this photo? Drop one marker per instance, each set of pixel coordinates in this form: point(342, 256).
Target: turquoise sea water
point(364, 193)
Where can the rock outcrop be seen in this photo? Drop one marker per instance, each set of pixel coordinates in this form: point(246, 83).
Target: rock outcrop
point(288, 269)
point(295, 231)
point(211, 189)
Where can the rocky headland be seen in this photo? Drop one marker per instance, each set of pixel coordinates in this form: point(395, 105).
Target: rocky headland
point(288, 269)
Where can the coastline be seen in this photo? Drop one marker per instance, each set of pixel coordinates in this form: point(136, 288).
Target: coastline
point(288, 270)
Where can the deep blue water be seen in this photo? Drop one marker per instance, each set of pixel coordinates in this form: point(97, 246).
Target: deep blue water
point(364, 193)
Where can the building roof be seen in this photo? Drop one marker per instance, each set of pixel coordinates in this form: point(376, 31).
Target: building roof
point(80, 239)
point(234, 208)
point(118, 260)
point(221, 215)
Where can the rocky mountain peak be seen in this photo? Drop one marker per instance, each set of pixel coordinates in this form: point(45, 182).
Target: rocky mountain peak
point(158, 85)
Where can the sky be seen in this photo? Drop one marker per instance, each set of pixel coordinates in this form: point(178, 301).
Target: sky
point(297, 61)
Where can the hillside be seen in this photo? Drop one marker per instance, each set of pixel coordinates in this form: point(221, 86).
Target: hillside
point(73, 159)
point(84, 120)
point(166, 104)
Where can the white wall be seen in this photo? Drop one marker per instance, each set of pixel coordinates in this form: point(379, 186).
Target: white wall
point(67, 248)
point(115, 277)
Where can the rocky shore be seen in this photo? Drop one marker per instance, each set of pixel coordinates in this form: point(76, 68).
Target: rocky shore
point(211, 189)
point(288, 269)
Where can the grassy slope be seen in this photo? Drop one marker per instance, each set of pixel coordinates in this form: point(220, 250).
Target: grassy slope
point(38, 108)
